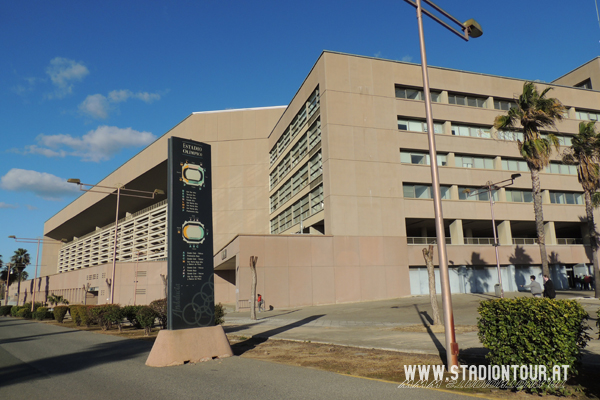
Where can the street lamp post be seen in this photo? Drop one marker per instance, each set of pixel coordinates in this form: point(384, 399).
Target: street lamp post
point(120, 191)
point(37, 255)
point(489, 187)
point(469, 28)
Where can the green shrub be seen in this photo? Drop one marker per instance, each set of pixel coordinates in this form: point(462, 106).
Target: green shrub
point(87, 315)
point(108, 315)
point(24, 312)
point(146, 316)
point(5, 310)
point(160, 307)
point(60, 312)
point(75, 314)
point(41, 313)
point(219, 314)
point(130, 313)
point(35, 307)
point(533, 331)
point(14, 310)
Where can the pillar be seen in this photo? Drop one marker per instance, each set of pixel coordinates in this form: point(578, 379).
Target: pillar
point(456, 232)
point(550, 232)
point(504, 233)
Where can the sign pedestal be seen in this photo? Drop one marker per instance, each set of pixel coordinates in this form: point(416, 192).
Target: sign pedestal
point(176, 347)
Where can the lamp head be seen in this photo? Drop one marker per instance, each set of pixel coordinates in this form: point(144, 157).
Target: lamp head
point(158, 191)
point(12, 237)
point(514, 176)
point(473, 28)
point(73, 180)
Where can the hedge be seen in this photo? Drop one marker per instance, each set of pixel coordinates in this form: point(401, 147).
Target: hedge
point(24, 312)
point(533, 331)
point(41, 313)
point(160, 308)
point(130, 312)
point(107, 315)
point(219, 314)
point(60, 312)
point(5, 310)
point(146, 317)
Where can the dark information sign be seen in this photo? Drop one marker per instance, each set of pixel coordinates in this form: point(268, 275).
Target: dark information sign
point(191, 296)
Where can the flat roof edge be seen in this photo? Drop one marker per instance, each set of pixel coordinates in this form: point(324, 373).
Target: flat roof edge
point(239, 109)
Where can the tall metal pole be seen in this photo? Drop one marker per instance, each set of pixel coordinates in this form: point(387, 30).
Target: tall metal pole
point(496, 244)
point(451, 345)
point(8, 267)
point(37, 255)
point(114, 267)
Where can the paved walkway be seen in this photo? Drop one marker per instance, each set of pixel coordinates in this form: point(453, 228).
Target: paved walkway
point(378, 324)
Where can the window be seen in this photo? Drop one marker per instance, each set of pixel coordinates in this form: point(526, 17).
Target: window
point(474, 162)
point(300, 210)
point(504, 105)
point(285, 193)
point(588, 115)
point(566, 198)
point(514, 165)
point(314, 134)
point(415, 94)
point(412, 157)
point(519, 196)
point(274, 202)
point(316, 200)
point(415, 191)
point(465, 100)
point(562, 140)
point(473, 131)
point(476, 193)
point(510, 135)
point(273, 178)
point(316, 166)
point(299, 150)
point(558, 168)
point(418, 126)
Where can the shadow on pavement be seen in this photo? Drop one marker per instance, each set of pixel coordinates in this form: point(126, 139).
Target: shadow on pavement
point(440, 348)
point(13, 370)
point(246, 345)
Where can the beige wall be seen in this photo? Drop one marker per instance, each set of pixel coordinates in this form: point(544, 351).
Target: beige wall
point(589, 70)
point(238, 140)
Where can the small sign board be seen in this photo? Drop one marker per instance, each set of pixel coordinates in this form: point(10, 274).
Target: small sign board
point(190, 302)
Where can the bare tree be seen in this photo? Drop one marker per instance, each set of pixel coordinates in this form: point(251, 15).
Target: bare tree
point(253, 260)
point(165, 282)
point(428, 255)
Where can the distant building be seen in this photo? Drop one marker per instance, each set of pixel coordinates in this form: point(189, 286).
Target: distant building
point(333, 193)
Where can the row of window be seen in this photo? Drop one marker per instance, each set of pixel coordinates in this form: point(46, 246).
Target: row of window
point(412, 93)
point(309, 172)
point(309, 108)
point(479, 131)
point(306, 206)
point(417, 191)
point(465, 161)
point(307, 142)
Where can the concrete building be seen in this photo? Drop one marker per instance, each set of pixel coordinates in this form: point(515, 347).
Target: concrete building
point(332, 193)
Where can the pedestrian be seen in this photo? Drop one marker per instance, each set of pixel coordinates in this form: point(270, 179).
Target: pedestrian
point(535, 287)
point(261, 303)
point(549, 288)
point(587, 282)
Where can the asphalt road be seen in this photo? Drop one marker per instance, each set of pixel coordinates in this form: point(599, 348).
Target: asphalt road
point(41, 361)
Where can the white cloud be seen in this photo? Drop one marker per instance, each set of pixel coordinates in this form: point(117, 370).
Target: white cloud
point(95, 106)
point(6, 205)
point(63, 73)
point(407, 58)
point(98, 106)
point(44, 185)
point(30, 207)
point(97, 145)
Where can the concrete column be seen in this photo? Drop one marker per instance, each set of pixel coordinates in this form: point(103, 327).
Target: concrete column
point(447, 124)
point(451, 160)
point(504, 233)
point(550, 232)
point(498, 163)
point(456, 232)
point(572, 113)
point(490, 103)
point(444, 97)
point(545, 197)
point(454, 192)
point(502, 194)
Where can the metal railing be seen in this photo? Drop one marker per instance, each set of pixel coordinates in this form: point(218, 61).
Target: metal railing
point(424, 240)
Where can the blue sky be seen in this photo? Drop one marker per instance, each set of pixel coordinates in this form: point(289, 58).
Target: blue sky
point(86, 85)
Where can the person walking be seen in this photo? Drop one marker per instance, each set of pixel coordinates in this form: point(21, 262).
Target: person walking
point(261, 303)
point(549, 288)
point(535, 287)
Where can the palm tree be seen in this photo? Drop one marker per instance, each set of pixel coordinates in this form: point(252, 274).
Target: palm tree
point(20, 260)
point(534, 111)
point(585, 154)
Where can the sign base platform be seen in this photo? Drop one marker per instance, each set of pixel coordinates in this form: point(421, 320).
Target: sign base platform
point(177, 347)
